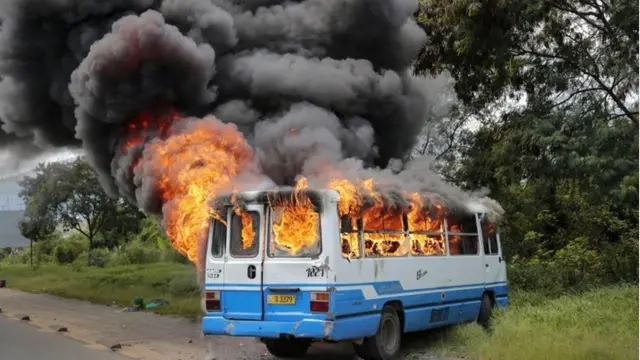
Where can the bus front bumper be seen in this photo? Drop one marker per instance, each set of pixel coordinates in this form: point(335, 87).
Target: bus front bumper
point(333, 330)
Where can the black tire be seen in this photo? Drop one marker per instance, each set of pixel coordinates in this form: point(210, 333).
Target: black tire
point(486, 310)
point(387, 342)
point(287, 348)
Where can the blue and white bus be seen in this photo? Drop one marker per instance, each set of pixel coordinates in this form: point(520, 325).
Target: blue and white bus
point(340, 288)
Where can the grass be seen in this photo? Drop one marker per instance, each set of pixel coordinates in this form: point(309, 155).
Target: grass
point(600, 324)
point(120, 284)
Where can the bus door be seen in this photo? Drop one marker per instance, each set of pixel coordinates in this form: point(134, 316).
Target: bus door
point(242, 275)
point(493, 262)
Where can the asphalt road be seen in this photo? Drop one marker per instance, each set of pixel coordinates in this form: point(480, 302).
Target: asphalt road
point(21, 341)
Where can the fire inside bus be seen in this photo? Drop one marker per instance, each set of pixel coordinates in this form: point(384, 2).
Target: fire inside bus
point(293, 267)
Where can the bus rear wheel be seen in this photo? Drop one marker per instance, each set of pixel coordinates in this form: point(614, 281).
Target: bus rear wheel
point(486, 311)
point(385, 345)
point(287, 348)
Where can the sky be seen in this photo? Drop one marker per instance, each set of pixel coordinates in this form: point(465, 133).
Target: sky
point(12, 170)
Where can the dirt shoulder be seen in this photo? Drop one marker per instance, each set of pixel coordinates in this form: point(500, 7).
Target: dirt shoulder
point(141, 335)
point(145, 335)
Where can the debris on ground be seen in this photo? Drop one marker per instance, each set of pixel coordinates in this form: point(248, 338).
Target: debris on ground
point(138, 304)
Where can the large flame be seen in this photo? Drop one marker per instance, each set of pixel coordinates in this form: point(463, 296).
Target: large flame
point(190, 168)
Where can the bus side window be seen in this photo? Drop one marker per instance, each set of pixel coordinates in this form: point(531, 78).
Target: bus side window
point(349, 237)
point(426, 234)
point(489, 237)
point(384, 234)
point(218, 235)
point(485, 243)
point(494, 244)
point(462, 235)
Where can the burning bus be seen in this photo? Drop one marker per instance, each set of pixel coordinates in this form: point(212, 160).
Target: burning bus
point(293, 266)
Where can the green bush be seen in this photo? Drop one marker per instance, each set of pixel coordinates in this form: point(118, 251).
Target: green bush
point(580, 265)
point(69, 249)
point(98, 257)
point(138, 253)
point(620, 260)
point(80, 262)
point(172, 255)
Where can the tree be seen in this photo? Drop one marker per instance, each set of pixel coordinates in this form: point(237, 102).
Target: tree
point(69, 194)
point(554, 85)
point(562, 51)
point(36, 227)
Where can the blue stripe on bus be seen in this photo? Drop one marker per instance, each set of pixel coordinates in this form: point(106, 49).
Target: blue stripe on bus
point(381, 288)
point(353, 302)
point(353, 318)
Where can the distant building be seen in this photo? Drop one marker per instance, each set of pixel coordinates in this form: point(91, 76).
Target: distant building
point(9, 231)
point(67, 231)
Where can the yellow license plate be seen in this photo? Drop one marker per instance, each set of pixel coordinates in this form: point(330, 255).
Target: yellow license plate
point(281, 299)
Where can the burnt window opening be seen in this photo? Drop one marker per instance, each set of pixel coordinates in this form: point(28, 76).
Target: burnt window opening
point(350, 237)
point(384, 234)
point(462, 234)
point(245, 232)
point(489, 238)
point(218, 236)
point(295, 231)
point(426, 233)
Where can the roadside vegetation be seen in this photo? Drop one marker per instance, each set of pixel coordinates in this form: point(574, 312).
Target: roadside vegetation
point(115, 285)
point(597, 324)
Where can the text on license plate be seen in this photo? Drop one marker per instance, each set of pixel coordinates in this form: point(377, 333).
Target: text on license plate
point(281, 299)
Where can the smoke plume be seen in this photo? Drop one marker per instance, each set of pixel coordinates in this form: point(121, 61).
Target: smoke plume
point(302, 86)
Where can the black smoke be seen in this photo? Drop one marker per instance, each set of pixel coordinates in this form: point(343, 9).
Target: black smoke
point(336, 74)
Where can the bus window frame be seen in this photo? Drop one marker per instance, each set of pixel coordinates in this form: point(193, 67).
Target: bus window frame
point(270, 237)
point(403, 232)
point(358, 231)
point(461, 234)
point(483, 221)
point(428, 233)
point(223, 243)
point(230, 217)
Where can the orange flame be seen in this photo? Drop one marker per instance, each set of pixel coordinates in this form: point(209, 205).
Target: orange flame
point(383, 228)
point(420, 222)
point(295, 224)
point(247, 232)
point(191, 168)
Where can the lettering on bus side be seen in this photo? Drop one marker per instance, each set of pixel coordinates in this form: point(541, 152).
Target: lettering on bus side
point(214, 273)
point(420, 274)
point(316, 271)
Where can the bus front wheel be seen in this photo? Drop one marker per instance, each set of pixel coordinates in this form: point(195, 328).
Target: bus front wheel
point(385, 345)
point(287, 348)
